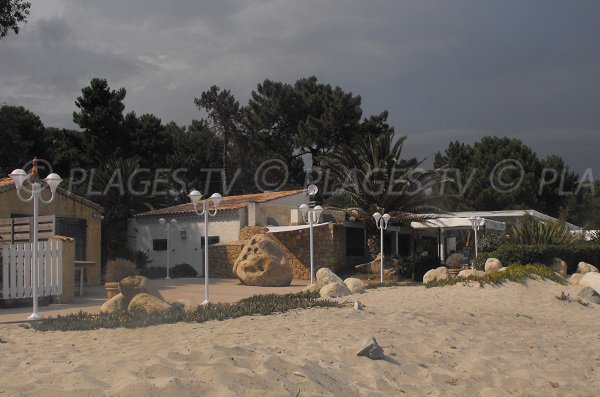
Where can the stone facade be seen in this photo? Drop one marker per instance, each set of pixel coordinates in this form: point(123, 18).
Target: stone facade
point(329, 245)
point(222, 258)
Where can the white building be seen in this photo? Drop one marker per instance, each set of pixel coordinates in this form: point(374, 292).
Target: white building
point(187, 238)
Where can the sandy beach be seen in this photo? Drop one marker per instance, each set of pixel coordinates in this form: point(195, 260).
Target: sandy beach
point(461, 340)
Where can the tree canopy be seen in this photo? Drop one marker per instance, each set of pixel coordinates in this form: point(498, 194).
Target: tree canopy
point(12, 13)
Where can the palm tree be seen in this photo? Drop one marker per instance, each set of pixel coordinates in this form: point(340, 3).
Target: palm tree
point(372, 178)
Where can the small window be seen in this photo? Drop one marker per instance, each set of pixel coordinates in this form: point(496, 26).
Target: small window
point(211, 240)
point(159, 244)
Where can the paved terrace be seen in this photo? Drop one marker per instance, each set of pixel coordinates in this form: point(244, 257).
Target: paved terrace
point(187, 289)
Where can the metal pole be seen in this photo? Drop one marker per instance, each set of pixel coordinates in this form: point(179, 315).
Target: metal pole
point(381, 263)
point(476, 228)
point(168, 250)
point(310, 222)
point(34, 269)
point(205, 205)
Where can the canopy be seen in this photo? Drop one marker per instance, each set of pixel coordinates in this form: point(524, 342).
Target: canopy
point(457, 223)
point(281, 229)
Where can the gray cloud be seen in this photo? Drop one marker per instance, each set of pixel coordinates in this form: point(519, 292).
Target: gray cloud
point(445, 70)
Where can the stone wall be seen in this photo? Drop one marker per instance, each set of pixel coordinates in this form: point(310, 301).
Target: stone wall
point(329, 248)
point(249, 231)
point(329, 245)
point(222, 257)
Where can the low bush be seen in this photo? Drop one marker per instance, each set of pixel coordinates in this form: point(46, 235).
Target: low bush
point(255, 305)
point(516, 273)
point(543, 254)
point(118, 269)
point(183, 270)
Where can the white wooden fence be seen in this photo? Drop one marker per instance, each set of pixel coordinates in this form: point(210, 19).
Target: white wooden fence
point(17, 266)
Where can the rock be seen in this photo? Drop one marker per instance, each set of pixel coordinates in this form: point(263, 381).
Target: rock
point(559, 266)
point(591, 279)
point(358, 305)
point(335, 290)
point(147, 303)
point(131, 286)
point(589, 294)
point(314, 287)
point(470, 272)
point(439, 274)
point(117, 303)
point(374, 265)
point(263, 263)
point(371, 349)
point(583, 268)
point(492, 265)
point(326, 276)
point(575, 278)
point(355, 285)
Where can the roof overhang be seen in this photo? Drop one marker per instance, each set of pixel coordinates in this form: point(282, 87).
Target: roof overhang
point(456, 223)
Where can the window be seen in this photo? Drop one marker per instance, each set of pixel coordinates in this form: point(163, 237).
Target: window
point(211, 240)
point(159, 244)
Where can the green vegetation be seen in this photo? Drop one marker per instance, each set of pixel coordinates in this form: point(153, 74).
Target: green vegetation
point(529, 231)
point(571, 254)
point(118, 269)
point(12, 13)
point(255, 305)
point(516, 273)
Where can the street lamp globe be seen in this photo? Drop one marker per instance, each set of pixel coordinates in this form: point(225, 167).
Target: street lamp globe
point(195, 196)
point(53, 180)
point(18, 176)
point(216, 198)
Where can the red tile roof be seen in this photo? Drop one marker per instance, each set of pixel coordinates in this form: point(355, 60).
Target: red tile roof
point(228, 203)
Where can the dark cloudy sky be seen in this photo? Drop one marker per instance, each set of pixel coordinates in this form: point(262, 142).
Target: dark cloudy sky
point(445, 70)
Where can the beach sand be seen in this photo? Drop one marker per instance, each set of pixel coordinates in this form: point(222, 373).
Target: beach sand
point(460, 340)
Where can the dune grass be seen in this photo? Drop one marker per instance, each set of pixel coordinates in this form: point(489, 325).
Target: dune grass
point(515, 273)
point(255, 305)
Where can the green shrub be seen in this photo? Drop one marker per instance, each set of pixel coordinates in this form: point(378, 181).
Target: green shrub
point(515, 273)
point(118, 269)
point(258, 304)
point(183, 270)
point(490, 241)
point(543, 254)
point(530, 231)
point(141, 259)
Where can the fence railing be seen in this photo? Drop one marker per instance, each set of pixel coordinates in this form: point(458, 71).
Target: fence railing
point(17, 268)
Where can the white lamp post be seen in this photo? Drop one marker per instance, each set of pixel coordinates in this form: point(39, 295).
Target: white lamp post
point(381, 221)
point(311, 216)
point(167, 226)
point(477, 222)
point(37, 186)
point(216, 198)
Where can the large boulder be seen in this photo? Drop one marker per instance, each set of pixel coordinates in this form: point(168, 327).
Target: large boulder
point(559, 266)
point(575, 278)
point(374, 265)
point(326, 276)
point(439, 274)
point(134, 285)
point(263, 263)
point(584, 268)
point(149, 304)
point(590, 295)
point(492, 265)
point(117, 303)
point(470, 272)
point(591, 279)
point(355, 285)
point(335, 290)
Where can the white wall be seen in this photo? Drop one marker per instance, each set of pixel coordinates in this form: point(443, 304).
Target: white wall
point(226, 225)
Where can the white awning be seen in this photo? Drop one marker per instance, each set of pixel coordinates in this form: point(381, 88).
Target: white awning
point(457, 223)
point(281, 229)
